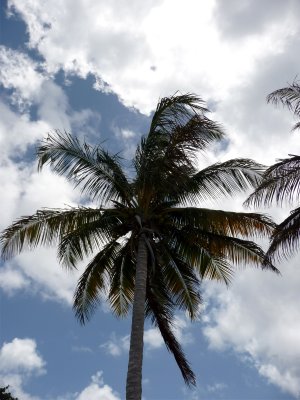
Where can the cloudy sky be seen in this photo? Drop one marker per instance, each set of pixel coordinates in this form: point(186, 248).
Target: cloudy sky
point(97, 69)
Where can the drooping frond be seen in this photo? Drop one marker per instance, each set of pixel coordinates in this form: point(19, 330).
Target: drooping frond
point(226, 178)
point(286, 237)
point(222, 222)
point(92, 282)
point(98, 173)
point(89, 237)
point(44, 227)
point(122, 281)
point(179, 277)
point(215, 267)
point(160, 309)
point(288, 96)
point(198, 247)
point(239, 252)
point(281, 182)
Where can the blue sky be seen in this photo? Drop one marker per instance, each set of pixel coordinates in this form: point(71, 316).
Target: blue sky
point(97, 69)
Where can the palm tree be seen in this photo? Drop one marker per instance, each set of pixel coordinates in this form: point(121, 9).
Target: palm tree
point(151, 245)
point(281, 183)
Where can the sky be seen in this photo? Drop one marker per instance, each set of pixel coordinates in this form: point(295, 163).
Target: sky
point(96, 69)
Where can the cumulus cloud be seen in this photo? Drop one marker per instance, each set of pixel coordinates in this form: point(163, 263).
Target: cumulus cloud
point(32, 86)
point(258, 317)
point(211, 67)
point(153, 338)
point(21, 354)
point(24, 190)
point(20, 360)
point(20, 72)
point(97, 390)
point(12, 279)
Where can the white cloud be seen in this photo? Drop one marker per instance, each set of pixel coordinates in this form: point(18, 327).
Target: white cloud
point(20, 354)
point(153, 339)
point(16, 386)
point(20, 360)
point(158, 55)
point(116, 346)
point(24, 190)
point(181, 330)
point(17, 132)
point(31, 85)
point(259, 316)
point(127, 134)
point(97, 390)
point(47, 277)
point(20, 72)
point(12, 280)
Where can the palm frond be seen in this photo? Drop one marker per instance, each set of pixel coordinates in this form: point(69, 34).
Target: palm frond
point(44, 227)
point(89, 237)
point(98, 173)
point(92, 282)
point(122, 281)
point(215, 267)
point(180, 278)
point(288, 96)
point(281, 182)
point(286, 237)
point(221, 222)
point(165, 157)
point(197, 247)
point(239, 252)
point(162, 317)
point(175, 111)
point(226, 179)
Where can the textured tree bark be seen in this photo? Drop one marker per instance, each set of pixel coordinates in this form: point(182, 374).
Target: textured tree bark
point(134, 373)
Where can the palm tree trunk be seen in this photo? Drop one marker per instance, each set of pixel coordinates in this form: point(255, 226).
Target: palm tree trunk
point(134, 373)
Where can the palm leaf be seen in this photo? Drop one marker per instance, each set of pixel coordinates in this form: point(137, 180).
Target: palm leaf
point(221, 222)
point(288, 96)
point(179, 277)
point(226, 178)
point(197, 247)
point(162, 317)
point(97, 172)
point(44, 227)
point(122, 281)
point(88, 237)
point(165, 158)
point(281, 182)
point(286, 237)
point(92, 283)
